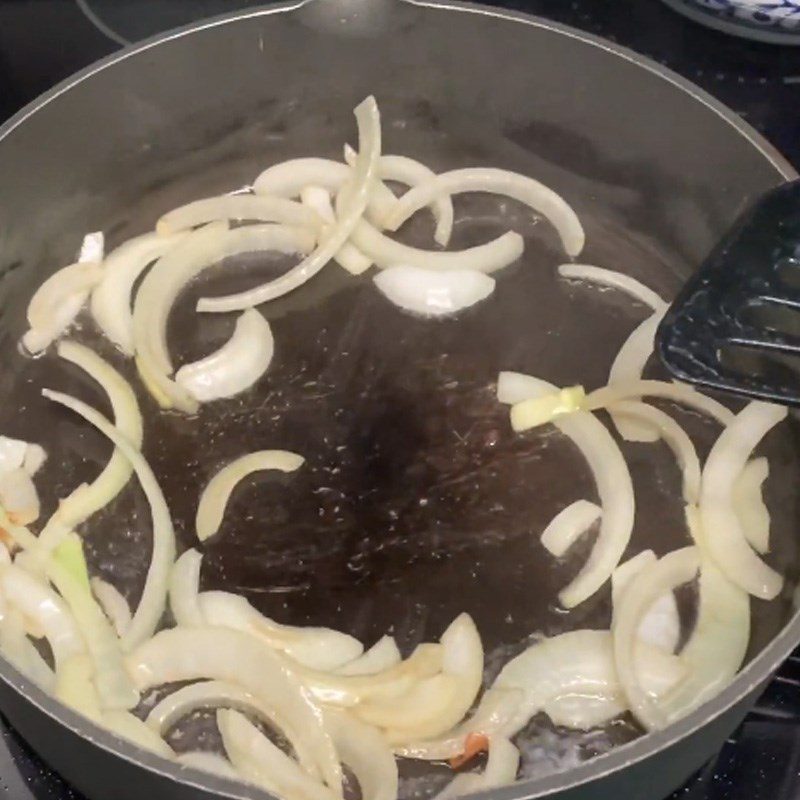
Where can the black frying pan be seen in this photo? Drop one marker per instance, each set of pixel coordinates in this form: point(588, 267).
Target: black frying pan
point(388, 410)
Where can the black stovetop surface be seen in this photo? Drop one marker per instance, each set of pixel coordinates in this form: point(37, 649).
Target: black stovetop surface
point(43, 41)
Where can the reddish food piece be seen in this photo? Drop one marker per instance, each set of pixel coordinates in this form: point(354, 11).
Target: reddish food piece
point(474, 744)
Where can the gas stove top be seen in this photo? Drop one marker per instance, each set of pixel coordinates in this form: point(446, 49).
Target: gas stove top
point(44, 41)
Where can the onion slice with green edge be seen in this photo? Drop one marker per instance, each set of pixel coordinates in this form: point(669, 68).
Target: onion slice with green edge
point(184, 587)
point(317, 648)
point(540, 198)
point(132, 729)
point(357, 194)
point(111, 298)
point(438, 703)
point(723, 538)
point(365, 752)
point(190, 654)
point(113, 603)
point(170, 274)
point(251, 207)
point(748, 503)
point(215, 497)
point(22, 654)
point(221, 694)
point(428, 293)
point(209, 762)
point(236, 366)
point(152, 603)
point(613, 280)
point(501, 769)
point(661, 623)
point(261, 762)
point(384, 654)
point(612, 478)
point(674, 437)
point(654, 580)
point(568, 525)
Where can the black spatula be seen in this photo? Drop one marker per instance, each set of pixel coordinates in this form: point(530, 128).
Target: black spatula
point(735, 326)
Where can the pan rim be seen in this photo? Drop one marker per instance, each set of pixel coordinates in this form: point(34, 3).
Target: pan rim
point(757, 672)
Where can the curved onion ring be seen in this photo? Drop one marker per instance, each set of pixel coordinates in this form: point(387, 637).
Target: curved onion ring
point(113, 603)
point(539, 197)
point(22, 654)
point(358, 191)
point(184, 583)
point(748, 503)
point(663, 576)
point(614, 280)
point(189, 654)
point(209, 762)
point(111, 299)
point(211, 509)
point(384, 654)
point(131, 728)
point(723, 538)
point(613, 482)
point(153, 600)
point(568, 525)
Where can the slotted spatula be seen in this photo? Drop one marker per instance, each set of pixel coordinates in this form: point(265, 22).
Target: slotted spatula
point(735, 326)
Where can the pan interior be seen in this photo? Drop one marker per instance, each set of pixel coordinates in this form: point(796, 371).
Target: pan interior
point(417, 502)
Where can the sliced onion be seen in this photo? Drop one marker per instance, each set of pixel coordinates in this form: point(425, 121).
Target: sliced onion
point(628, 366)
point(236, 366)
point(131, 728)
point(526, 190)
point(22, 654)
point(318, 648)
point(35, 456)
point(57, 302)
point(654, 580)
point(384, 654)
point(111, 298)
point(358, 191)
point(661, 623)
point(75, 687)
point(93, 248)
point(188, 654)
point(433, 294)
point(113, 603)
point(184, 583)
point(583, 711)
point(211, 509)
point(614, 280)
point(568, 525)
point(723, 537)
point(261, 762)
point(209, 762)
point(363, 749)
point(501, 769)
point(547, 407)
point(12, 453)
point(748, 503)
point(673, 435)
point(162, 285)
point(250, 207)
point(154, 595)
point(613, 482)
point(18, 496)
point(386, 252)
point(220, 694)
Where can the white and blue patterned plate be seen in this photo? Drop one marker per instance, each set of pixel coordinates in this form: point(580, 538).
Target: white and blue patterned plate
point(767, 20)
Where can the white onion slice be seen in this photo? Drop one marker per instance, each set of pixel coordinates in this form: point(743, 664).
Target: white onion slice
point(162, 285)
point(251, 207)
point(384, 654)
point(628, 366)
point(211, 509)
point(35, 456)
point(654, 580)
point(614, 280)
point(722, 530)
point(261, 762)
point(188, 654)
point(75, 687)
point(18, 496)
point(386, 252)
point(154, 595)
point(12, 453)
point(673, 435)
point(358, 191)
point(111, 298)
point(57, 302)
point(612, 479)
point(317, 648)
point(184, 583)
point(219, 694)
point(582, 711)
point(132, 729)
point(22, 654)
point(501, 769)
point(568, 525)
point(113, 603)
point(236, 366)
point(748, 503)
point(661, 624)
point(93, 248)
point(532, 193)
point(433, 294)
point(209, 762)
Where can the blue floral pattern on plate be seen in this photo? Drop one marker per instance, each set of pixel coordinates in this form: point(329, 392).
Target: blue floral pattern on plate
point(781, 14)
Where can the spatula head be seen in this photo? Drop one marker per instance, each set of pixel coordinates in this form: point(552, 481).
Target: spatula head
point(735, 326)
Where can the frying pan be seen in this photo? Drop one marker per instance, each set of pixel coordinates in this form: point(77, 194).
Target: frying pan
point(418, 502)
